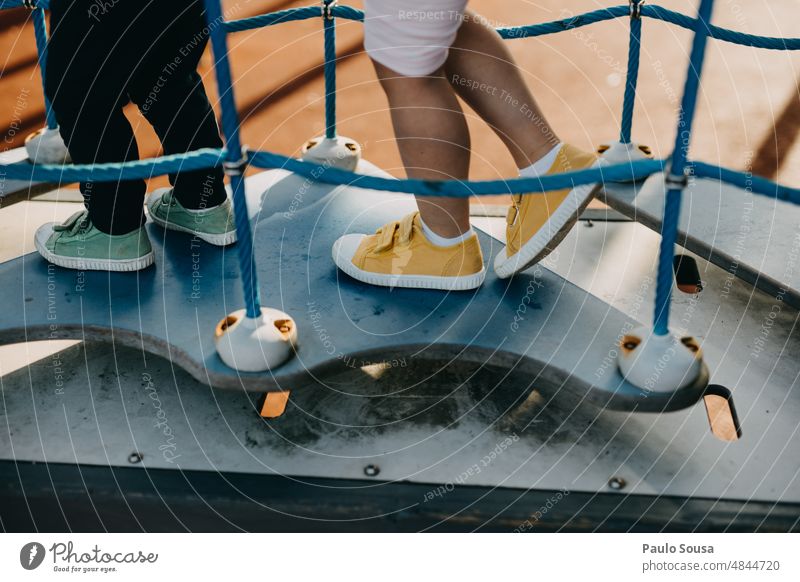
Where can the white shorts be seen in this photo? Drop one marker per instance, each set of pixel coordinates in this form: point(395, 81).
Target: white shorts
point(411, 37)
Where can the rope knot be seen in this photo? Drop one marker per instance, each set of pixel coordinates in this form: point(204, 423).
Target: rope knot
point(327, 8)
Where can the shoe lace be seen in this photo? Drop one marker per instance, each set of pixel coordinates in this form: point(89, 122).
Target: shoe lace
point(167, 199)
point(75, 224)
point(399, 231)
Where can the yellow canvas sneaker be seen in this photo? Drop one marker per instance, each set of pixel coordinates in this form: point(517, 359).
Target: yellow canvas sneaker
point(537, 223)
point(399, 255)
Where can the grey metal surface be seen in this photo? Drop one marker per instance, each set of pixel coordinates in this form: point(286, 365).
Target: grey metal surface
point(754, 237)
point(427, 422)
point(537, 322)
point(12, 191)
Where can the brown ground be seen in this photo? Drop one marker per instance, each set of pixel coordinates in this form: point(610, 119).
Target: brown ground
point(577, 76)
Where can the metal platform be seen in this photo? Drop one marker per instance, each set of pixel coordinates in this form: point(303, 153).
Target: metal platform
point(537, 322)
point(752, 237)
point(12, 191)
point(412, 443)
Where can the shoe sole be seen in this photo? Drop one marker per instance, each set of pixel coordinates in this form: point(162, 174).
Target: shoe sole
point(461, 283)
point(540, 244)
point(116, 265)
point(219, 240)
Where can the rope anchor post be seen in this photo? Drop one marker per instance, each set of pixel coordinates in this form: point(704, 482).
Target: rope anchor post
point(256, 344)
point(246, 341)
point(625, 151)
point(657, 359)
point(254, 339)
point(331, 150)
point(337, 152)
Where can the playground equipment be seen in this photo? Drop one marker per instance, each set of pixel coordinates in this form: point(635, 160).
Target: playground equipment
point(258, 339)
point(571, 347)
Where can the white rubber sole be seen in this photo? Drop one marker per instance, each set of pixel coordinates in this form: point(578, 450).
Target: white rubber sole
point(219, 240)
point(343, 260)
point(550, 234)
point(84, 264)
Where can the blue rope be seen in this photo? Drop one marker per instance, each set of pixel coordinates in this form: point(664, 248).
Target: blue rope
point(330, 70)
point(754, 184)
point(556, 26)
point(723, 34)
point(113, 171)
point(280, 17)
point(632, 76)
point(209, 158)
point(234, 160)
point(458, 189)
point(677, 172)
point(532, 30)
point(8, 4)
point(40, 30)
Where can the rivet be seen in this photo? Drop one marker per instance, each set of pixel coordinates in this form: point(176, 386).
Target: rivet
point(372, 470)
point(135, 457)
point(617, 483)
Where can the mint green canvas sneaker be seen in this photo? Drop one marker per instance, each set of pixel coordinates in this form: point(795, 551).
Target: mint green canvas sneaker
point(77, 244)
point(213, 225)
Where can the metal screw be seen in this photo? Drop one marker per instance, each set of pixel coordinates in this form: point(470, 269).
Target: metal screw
point(372, 470)
point(135, 457)
point(617, 483)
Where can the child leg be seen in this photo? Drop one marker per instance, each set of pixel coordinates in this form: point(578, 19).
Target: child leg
point(434, 248)
point(433, 140)
point(85, 84)
point(484, 74)
point(170, 94)
point(86, 71)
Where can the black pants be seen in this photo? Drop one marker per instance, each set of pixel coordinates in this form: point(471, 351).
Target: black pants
point(103, 54)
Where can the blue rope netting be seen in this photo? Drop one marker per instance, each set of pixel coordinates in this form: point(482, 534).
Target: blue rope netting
point(677, 171)
point(40, 30)
point(632, 75)
point(234, 158)
point(330, 69)
point(204, 158)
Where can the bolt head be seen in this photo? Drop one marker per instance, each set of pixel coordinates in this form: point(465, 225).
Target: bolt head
point(617, 483)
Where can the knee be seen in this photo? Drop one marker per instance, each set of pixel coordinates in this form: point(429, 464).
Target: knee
point(400, 88)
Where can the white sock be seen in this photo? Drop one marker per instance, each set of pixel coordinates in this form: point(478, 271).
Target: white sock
point(541, 166)
point(441, 241)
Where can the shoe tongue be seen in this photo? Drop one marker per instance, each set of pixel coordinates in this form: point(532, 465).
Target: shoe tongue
point(74, 222)
point(407, 227)
point(404, 229)
point(386, 236)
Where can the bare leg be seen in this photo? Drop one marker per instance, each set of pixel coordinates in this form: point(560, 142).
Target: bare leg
point(433, 140)
point(482, 71)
